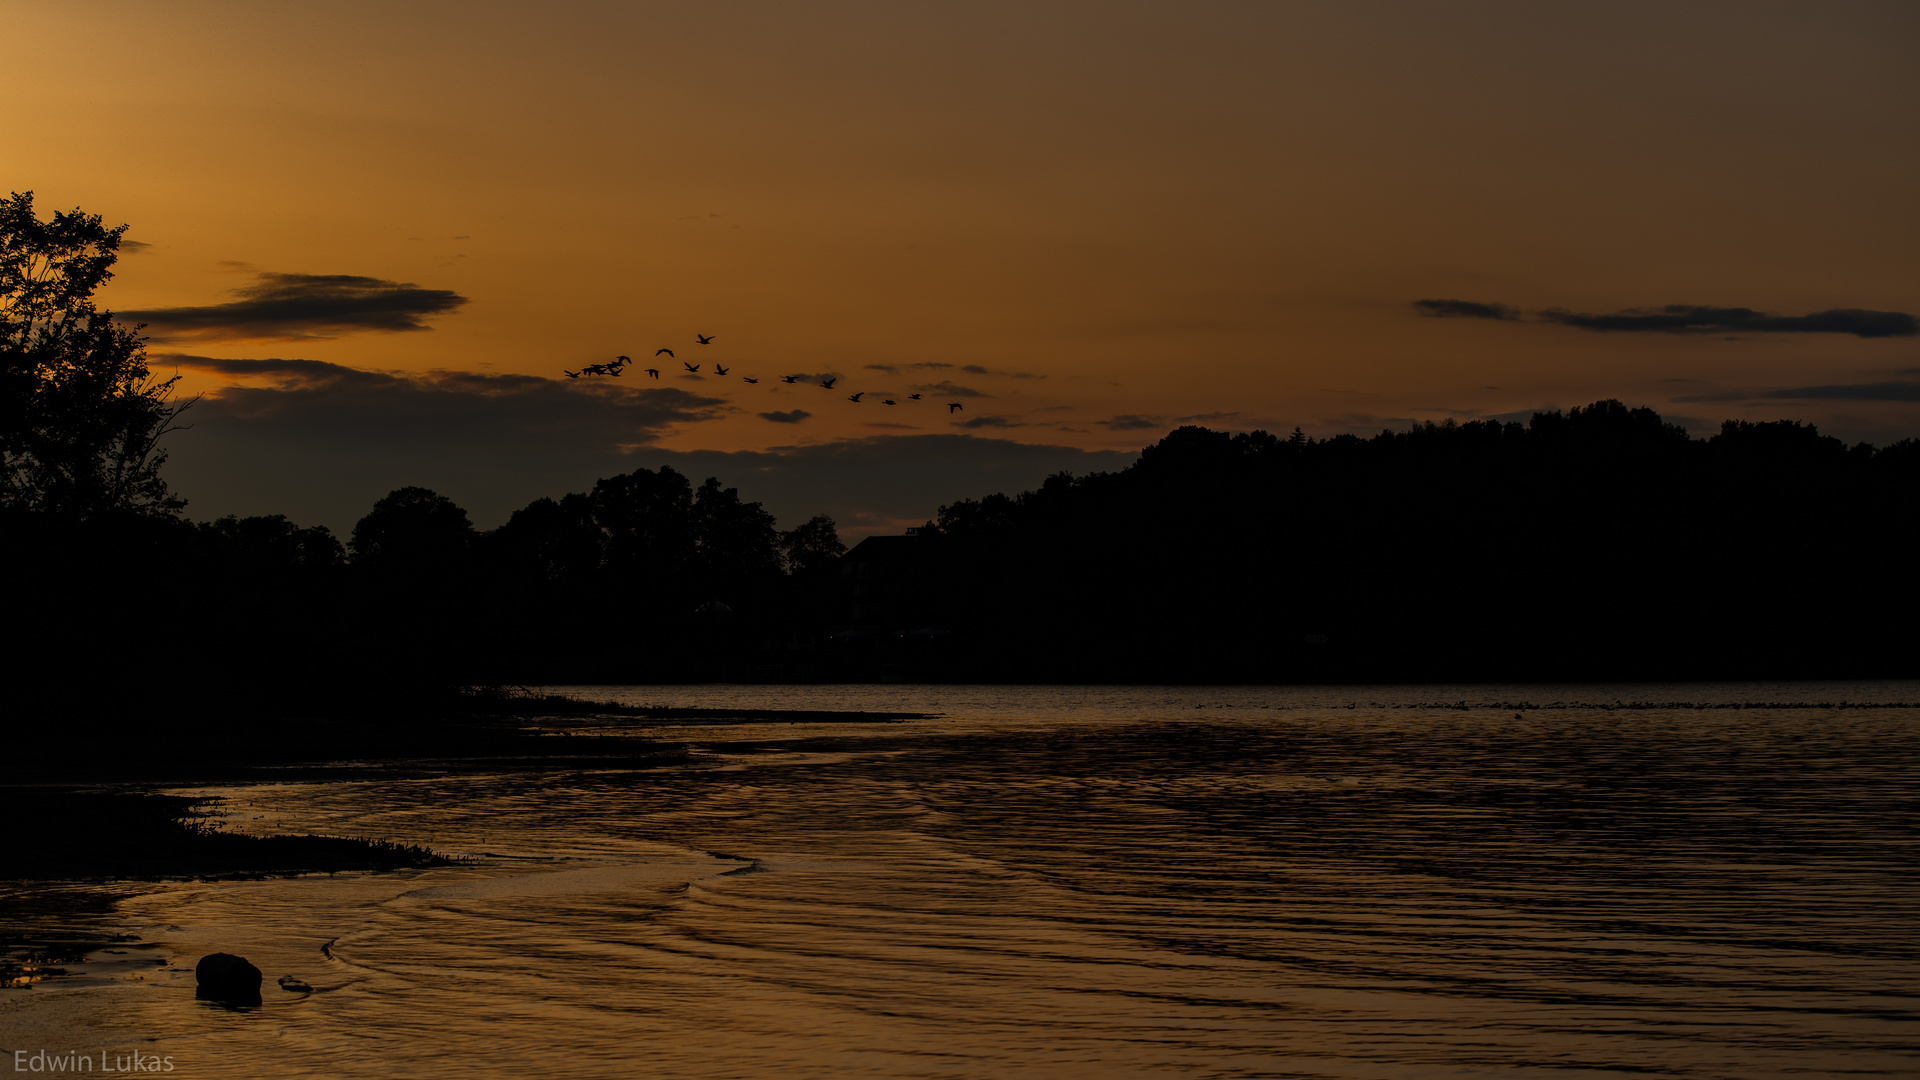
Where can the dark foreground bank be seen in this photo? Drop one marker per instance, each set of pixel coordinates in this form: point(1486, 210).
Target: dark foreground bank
point(86, 807)
point(68, 834)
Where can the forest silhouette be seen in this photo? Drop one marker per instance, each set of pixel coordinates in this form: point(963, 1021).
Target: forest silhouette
point(1600, 543)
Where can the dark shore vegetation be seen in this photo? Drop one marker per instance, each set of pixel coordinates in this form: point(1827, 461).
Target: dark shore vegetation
point(1600, 544)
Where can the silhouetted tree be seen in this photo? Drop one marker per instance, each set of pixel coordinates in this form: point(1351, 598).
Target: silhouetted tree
point(272, 544)
point(813, 547)
point(645, 521)
point(413, 531)
point(548, 542)
point(738, 548)
point(81, 417)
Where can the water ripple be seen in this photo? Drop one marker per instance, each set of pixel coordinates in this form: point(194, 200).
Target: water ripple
point(1069, 882)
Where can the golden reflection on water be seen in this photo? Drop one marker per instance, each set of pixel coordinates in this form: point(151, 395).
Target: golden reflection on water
point(1074, 883)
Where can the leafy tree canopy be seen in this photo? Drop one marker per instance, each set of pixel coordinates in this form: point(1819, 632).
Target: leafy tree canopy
point(414, 530)
point(81, 417)
point(813, 547)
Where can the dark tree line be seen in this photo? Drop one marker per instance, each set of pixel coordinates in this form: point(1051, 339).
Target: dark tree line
point(644, 577)
point(1601, 543)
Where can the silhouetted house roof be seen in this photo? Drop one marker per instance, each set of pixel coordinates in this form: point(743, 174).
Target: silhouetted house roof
point(882, 549)
point(871, 576)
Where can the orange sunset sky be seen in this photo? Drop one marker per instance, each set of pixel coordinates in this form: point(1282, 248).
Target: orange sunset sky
point(1087, 223)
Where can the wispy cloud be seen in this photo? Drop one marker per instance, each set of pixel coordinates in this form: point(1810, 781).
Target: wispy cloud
point(793, 416)
point(1880, 391)
point(1688, 319)
point(1132, 422)
point(947, 389)
point(895, 369)
point(1884, 391)
point(1463, 309)
point(976, 369)
point(937, 365)
point(978, 422)
point(302, 307)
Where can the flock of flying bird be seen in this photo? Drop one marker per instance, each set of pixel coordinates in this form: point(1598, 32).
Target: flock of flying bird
point(619, 364)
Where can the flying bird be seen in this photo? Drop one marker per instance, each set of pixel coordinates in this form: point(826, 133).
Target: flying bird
point(789, 378)
point(952, 406)
point(654, 371)
point(657, 352)
point(571, 374)
point(718, 370)
point(743, 378)
point(689, 367)
point(704, 339)
point(856, 397)
point(913, 397)
point(828, 383)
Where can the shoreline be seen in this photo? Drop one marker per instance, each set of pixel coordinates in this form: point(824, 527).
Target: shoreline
point(100, 815)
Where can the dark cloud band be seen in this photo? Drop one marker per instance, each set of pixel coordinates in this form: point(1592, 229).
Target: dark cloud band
point(948, 389)
point(320, 442)
point(296, 307)
point(1689, 318)
point(445, 406)
point(1885, 391)
point(1463, 309)
point(1880, 391)
point(976, 369)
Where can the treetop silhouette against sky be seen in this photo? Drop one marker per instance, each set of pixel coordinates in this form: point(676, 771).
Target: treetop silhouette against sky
point(81, 417)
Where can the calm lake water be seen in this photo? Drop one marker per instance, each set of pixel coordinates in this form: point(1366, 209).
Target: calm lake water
point(1087, 883)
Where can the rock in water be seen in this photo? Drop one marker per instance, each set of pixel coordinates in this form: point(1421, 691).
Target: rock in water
point(228, 977)
point(294, 986)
